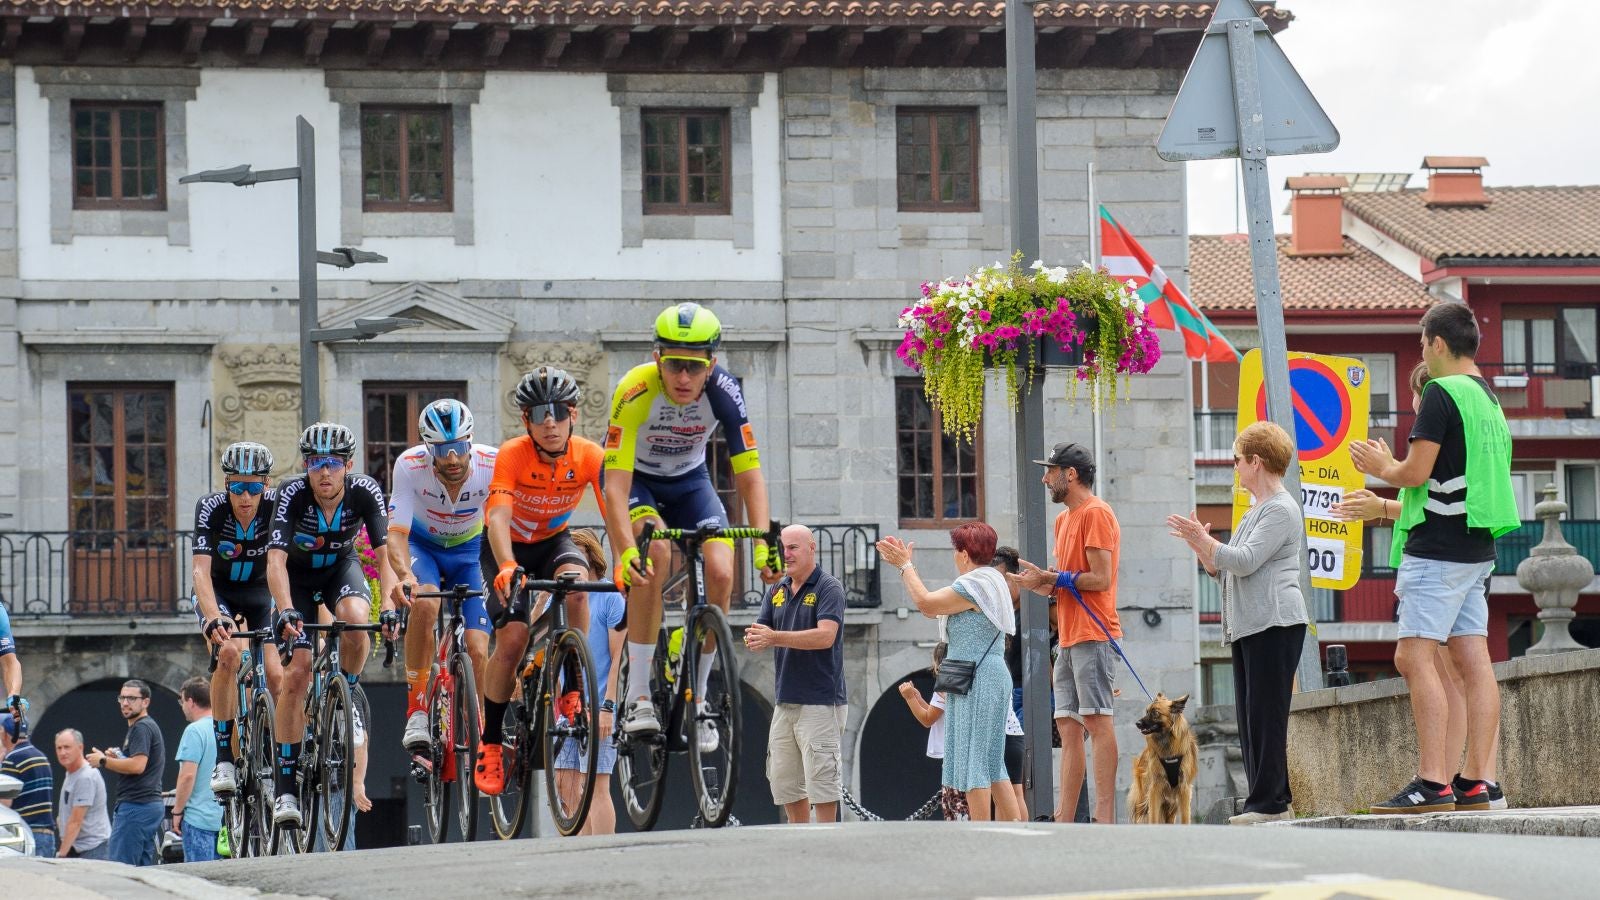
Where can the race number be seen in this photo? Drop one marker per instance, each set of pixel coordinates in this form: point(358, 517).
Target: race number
point(1324, 557)
point(1318, 499)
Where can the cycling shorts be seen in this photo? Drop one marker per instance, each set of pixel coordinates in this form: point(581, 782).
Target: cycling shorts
point(447, 567)
point(540, 560)
point(251, 603)
point(688, 501)
point(326, 587)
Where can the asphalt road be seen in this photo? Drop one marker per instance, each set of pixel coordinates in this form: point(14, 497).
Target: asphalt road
point(936, 859)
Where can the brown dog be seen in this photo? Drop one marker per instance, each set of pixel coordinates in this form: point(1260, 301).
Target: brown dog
point(1163, 775)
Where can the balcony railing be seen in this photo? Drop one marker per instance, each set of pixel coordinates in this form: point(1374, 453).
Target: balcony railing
point(1215, 430)
point(1545, 390)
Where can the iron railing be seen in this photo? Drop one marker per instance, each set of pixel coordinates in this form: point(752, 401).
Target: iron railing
point(96, 573)
point(1544, 389)
point(1215, 430)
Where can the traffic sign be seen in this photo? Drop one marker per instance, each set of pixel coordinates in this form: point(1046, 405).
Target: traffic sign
point(1330, 397)
point(1202, 123)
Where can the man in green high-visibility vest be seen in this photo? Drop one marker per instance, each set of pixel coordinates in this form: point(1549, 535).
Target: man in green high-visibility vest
point(1456, 498)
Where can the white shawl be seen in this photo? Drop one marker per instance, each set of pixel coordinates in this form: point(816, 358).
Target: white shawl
point(988, 588)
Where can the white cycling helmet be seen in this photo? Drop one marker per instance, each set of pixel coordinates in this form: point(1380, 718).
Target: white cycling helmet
point(247, 458)
point(443, 421)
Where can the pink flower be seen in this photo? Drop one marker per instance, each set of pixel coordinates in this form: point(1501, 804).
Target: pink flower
point(984, 315)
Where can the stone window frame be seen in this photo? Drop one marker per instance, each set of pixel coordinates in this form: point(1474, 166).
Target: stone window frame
point(406, 114)
point(735, 93)
point(682, 206)
point(62, 86)
point(352, 89)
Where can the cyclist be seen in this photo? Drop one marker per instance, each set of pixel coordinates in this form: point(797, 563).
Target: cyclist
point(539, 478)
point(10, 668)
point(311, 561)
point(230, 584)
point(662, 415)
point(436, 500)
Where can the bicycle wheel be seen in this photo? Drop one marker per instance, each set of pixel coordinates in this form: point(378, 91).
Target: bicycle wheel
point(571, 727)
point(260, 761)
point(715, 772)
point(464, 743)
point(642, 761)
point(336, 763)
point(508, 808)
point(436, 796)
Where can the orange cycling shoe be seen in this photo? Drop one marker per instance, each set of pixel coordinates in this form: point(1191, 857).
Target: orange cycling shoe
point(490, 773)
point(570, 705)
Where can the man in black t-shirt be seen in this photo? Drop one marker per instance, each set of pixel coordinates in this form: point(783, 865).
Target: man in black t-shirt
point(802, 619)
point(141, 761)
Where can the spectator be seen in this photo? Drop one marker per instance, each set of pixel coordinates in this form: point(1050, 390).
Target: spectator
point(1456, 497)
point(606, 611)
point(1263, 612)
point(24, 762)
point(979, 607)
point(1088, 544)
point(141, 761)
point(85, 826)
point(952, 803)
point(196, 814)
point(802, 620)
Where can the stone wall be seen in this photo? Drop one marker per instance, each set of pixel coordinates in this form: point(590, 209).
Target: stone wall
point(1351, 747)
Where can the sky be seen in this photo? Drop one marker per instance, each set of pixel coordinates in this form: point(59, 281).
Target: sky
point(1516, 81)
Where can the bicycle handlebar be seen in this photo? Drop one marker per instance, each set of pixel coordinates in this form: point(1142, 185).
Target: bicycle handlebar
point(260, 634)
point(459, 592)
point(772, 534)
point(286, 651)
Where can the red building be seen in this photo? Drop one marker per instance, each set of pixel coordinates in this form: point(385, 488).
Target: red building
point(1365, 257)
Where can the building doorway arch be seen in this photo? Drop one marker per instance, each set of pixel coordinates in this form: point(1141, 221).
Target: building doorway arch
point(897, 776)
point(92, 709)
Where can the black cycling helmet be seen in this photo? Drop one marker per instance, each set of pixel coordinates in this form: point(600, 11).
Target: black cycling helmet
point(545, 385)
point(247, 458)
point(688, 326)
point(327, 439)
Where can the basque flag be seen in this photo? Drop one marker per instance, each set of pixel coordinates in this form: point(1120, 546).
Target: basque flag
point(1123, 258)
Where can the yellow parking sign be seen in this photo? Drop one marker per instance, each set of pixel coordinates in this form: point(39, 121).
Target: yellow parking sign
point(1331, 397)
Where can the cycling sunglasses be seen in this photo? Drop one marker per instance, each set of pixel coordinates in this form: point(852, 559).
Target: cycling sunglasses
point(685, 365)
point(318, 463)
point(445, 449)
point(557, 411)
point(240, 488)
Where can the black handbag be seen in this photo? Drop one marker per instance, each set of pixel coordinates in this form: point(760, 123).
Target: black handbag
point(956, 675)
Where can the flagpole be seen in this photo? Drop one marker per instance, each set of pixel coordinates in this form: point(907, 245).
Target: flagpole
point(1094, 263)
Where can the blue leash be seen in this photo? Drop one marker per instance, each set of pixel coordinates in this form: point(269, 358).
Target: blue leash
point(1070, 580)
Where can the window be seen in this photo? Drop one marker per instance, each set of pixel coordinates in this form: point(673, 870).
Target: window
point(1561, 341)
point(685, 162)
point(391, 420)
point(941, 477)
point(1583, 492)
point(936, 153)
point(405, 159)
point(117, 156)
point(120, 447)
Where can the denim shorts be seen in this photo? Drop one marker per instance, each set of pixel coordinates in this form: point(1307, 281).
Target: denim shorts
point(569, 758)
point(1439, 600)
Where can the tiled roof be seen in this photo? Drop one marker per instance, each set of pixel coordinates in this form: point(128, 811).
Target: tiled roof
point(1219, 278)
point(1518, 222)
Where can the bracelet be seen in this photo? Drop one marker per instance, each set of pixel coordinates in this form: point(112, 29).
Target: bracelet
point(908, 564)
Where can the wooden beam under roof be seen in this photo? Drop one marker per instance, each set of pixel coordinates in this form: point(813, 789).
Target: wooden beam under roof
point(316, 39)
point(377, 40)
point(494, 44)
point(733, 40)
point(555, 44)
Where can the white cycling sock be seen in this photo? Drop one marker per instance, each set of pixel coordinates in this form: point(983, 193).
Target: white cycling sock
point(640, 658)
point(707, 657)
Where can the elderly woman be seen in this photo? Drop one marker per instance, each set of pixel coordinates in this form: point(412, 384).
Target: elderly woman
point(1263, 612)
point(979, 607)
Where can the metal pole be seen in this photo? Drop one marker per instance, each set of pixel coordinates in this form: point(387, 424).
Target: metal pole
point(310, 372)
point(1094, 262)
point(1264, 270)
point(1023, 215)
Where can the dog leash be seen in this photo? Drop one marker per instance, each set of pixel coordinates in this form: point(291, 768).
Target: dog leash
point(1073, 588)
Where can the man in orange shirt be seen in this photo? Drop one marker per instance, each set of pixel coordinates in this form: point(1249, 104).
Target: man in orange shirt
point(1088, 550)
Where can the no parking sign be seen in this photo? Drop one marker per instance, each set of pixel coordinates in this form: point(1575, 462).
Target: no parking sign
point(1330, 395)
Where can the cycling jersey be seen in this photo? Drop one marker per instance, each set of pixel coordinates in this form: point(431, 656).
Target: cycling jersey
point(238, 552)
point(8, 644)
point(542, 495)
point(420, 503)
point(660, 438)
point(315, 541)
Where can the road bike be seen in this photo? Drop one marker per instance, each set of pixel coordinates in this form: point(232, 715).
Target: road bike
point(247, 809)
point(557, 704)
point(453, 717)
point(642, 759)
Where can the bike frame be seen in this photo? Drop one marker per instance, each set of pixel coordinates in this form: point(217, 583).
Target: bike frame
point(450, 630)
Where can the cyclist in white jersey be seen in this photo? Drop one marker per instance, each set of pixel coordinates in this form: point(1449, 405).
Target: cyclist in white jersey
point(436, 500)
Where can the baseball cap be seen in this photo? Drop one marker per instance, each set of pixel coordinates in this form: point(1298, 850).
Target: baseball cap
point(1069, 455)
point(9, 723)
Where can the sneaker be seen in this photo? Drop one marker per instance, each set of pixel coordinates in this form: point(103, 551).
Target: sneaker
point(490, 772)
point(705, 730)
point(224, 778)
point(416, 738)
point(570, 705)
point(1417, 798)
point(641, 717)
point(1256, 818)
point(286, 811)
point(1477, 795)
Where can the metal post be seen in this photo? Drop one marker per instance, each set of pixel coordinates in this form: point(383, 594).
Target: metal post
point(1264, 270)
point(310, 371)
point(1023, 214)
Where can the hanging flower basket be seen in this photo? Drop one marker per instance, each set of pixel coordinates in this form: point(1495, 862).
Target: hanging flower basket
point(1001, 315)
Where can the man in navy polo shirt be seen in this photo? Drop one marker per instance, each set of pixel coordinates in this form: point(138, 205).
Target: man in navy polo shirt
point(802, 619)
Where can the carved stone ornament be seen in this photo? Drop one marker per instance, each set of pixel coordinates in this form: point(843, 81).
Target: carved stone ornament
point(585, 362)
point(258, 399)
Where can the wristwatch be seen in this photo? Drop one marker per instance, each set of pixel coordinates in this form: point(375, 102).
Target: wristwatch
point(608, 706)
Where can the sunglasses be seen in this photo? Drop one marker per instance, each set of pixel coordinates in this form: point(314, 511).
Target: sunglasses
point(318, 463)
point(445, 449)
point(560, 412)
point(240, 488)
point(684, 365)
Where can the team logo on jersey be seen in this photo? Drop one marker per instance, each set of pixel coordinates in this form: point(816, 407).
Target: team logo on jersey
point(613, 437)
point(308, 542)
point(811, 599)
point(571, 475)
point(749, 435)
point(777, 597)
point(229, 550)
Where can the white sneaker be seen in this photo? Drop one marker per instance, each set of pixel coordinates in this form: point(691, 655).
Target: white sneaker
point(224, 779)
point(286, 811)
point(416, 738)
point(705, 730)
point(1257, 818)
point(641, 717)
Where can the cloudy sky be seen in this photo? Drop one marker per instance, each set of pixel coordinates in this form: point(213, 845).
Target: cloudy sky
point(1516, 81)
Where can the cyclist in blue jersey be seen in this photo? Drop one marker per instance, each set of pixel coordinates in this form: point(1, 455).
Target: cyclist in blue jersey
point(10, 667)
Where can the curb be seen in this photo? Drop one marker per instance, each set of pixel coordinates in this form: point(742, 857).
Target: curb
point(83, 879)
point(1576, 821)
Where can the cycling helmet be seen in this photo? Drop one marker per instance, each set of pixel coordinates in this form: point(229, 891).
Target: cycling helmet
point(327, 438)
point(547, 384)
point(246, 458)
point(688, 326)
point(444, 421)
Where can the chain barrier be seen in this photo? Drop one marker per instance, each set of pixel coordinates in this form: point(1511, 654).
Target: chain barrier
point(925, 811)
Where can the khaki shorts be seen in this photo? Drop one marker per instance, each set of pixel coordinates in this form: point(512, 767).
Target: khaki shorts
point(803, 755)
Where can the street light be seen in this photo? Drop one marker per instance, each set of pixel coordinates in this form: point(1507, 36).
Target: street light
point(305, 172)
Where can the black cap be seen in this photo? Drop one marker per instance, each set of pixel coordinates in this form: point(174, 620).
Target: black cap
point(1069, 455)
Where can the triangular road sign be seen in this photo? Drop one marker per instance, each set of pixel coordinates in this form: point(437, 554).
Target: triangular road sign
point(1203, 123)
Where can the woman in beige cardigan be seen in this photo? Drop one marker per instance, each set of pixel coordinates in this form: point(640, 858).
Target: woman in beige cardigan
point(1263, 612)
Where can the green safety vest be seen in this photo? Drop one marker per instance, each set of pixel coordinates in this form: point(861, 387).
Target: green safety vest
point(1490, 501)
